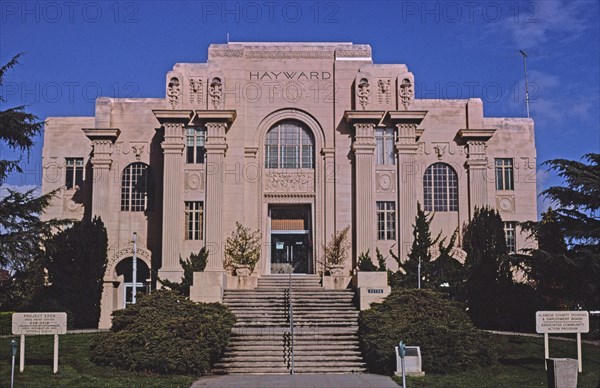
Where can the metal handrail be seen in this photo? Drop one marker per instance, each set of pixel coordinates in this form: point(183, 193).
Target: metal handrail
point(291, 314)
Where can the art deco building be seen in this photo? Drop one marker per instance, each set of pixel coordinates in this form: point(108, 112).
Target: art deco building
point(297, 140)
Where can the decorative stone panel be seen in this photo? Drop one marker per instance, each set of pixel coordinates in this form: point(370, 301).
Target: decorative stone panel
point(174, 90)
point(406, 90)
point(505, 203)
point(194, 180)
point(386, 181)
point(289, 181)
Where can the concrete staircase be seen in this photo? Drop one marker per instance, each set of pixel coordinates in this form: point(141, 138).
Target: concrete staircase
point(325, 330)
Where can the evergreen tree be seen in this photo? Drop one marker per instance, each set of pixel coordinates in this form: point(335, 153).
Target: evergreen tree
point(76, 263)
point(447, 273)
point(22, 232)
point(419, 252)
point(195, 263)
point(487, 267)
point(578, 211)
point(565, 267)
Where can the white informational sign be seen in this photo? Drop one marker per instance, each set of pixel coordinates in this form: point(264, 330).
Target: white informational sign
point(39, 323)
point(562, 322)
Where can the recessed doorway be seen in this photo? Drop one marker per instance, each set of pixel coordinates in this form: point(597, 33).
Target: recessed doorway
point(291, 239)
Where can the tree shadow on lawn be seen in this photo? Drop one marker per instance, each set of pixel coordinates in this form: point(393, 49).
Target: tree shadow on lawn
point(532, 363)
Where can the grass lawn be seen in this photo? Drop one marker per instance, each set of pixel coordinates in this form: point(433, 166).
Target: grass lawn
point(74, 368)
point(521, 364)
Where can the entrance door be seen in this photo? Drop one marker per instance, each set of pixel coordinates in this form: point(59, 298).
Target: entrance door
point(291, 247)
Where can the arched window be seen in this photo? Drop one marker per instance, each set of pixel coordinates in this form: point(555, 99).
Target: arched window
point(440, 188)
point(289, 144)
point(135, 188)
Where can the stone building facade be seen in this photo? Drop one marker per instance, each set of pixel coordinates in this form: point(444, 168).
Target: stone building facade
point(297, 140)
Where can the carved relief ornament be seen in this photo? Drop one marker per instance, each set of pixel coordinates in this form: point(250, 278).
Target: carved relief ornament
point(174, 91)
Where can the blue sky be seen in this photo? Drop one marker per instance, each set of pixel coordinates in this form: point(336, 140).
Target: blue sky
point(78, 50)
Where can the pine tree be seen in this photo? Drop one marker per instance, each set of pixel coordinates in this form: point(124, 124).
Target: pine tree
point(487, 266)
point(419, 252)
point(22, 232)
point(447, 273)
point(76, 263)
point(565, 267)
point(195, 263)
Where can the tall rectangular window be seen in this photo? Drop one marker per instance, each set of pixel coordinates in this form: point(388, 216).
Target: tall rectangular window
point(193, 220)
point(74, 173)
point(386, 220)
point(194, 140)
point(504, 174)
point(510, 235)
point(384, 145)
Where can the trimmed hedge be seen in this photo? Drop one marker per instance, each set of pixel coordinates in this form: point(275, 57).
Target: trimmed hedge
point(6, 322)
point(166, 333)
point(448, 340)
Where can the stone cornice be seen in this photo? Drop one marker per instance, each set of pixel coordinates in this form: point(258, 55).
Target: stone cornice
point(476, 134)
point(202, 116)
point(102, 133)
point(374, 116)
point(407, 116)
point(170, 116)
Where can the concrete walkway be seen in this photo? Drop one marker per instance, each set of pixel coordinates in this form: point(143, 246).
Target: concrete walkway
point(299, 381)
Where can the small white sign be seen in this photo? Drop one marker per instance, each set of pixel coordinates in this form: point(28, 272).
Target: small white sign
point(39, 323)
point(562, 322)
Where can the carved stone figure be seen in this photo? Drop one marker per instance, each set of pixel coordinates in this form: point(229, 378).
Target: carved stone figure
point(174, 91)
point(406, 92)
point(383, 90)
point(216, 92)
point(195, 90)
point(364, 92)
point(439, 150)
point(137, 150)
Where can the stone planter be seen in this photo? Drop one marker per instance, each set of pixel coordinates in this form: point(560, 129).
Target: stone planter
point(336, 270)
point(372, 287)
point(243, 270)
point(369, 279)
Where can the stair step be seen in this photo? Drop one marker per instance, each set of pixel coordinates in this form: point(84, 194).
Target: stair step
point(325, 328)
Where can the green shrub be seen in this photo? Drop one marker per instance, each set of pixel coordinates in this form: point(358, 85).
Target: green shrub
point(166, 333)
point(6, 322)
point(448, 340)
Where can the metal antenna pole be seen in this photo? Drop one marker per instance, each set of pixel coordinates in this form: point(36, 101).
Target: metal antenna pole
point(134, 274)
point(526, 83)
point(419, 275)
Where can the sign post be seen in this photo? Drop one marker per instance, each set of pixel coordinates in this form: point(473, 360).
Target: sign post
point(39, 324)
point(13, 346)
point(402, 353)
point(562, 322)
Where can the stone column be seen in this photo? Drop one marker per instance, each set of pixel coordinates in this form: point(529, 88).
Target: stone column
point(172, 233)
point(101, 163)
point(329, 192)
point(364, 147)
point(406, 150)
point(477, 170)
point(215, 159)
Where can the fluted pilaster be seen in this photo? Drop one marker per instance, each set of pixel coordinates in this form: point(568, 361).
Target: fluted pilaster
point(215, 159)
point(364, 147)
point(406, 150)
point(172, 233)
point(477, 170)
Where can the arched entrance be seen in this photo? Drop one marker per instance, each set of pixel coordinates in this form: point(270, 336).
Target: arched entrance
point(291, 191)
point(124, 270)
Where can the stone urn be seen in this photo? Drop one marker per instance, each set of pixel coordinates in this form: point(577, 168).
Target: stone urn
point(336, 270)
point(243, 270)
